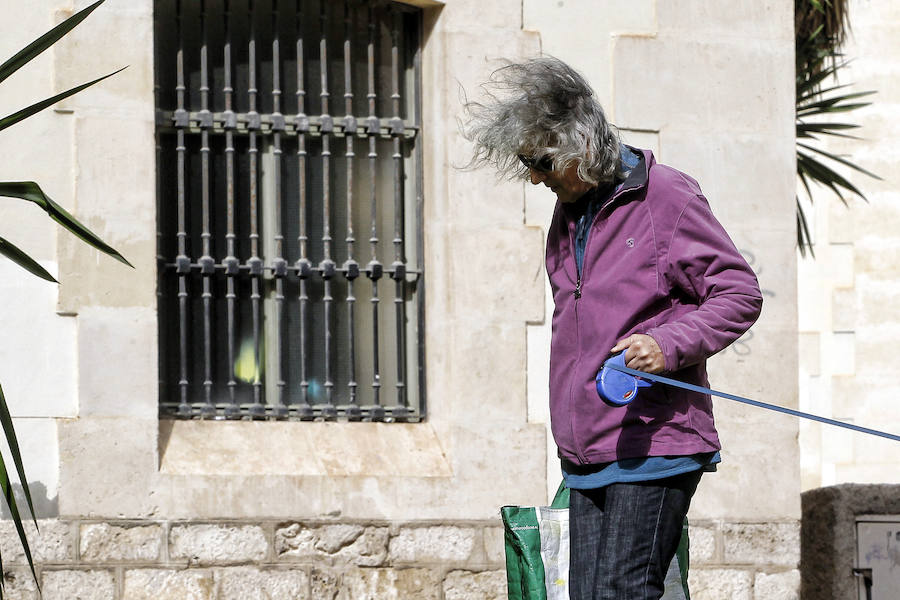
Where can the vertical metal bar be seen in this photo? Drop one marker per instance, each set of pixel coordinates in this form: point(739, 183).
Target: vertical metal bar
point(279, 264)
point(374, 268)
point(327, 266)
point(207, 264)
point(399, 264)
point(182, 261)
point(231, 263)
point(351, 267)
point(255, 263)
point(420, 219)
point(303, 265)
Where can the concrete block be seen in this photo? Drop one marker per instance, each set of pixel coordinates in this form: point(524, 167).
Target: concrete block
point(362, 546)
point(762, 543)
point(389, 584)
point(716, 584)
point(102, 542)
point(828, 536)
point(163, 584)
point(54, 544)
point(777, 586)
point(432, 544)
point(703, 543)
point(247, 583)
point(78, 585)
point(206, 544)
point(462, 585)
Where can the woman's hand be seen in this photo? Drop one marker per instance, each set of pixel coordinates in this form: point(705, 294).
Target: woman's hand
point(641, 353)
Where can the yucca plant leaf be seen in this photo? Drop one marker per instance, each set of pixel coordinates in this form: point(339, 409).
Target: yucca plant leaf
point(6, 487)
point(29, 190)
point(27, 53)
point(12, 252)
point(13, 443)
point(14, 118)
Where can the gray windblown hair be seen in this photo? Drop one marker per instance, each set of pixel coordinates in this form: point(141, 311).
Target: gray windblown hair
point(541, 107)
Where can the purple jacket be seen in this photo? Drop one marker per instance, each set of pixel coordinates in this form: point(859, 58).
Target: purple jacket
point(656, 262)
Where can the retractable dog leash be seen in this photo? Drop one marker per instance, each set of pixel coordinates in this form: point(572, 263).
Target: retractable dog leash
point(618, 385)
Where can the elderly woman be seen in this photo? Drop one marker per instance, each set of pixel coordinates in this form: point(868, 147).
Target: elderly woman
point(637, 264)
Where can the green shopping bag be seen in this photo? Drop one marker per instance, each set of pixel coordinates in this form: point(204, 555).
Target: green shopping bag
point(537, 549)
point(537, 553)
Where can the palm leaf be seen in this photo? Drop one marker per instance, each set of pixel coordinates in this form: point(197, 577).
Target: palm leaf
point(29, 190)
point(23, 56)
point(839, 159)
point(16, 255)
point(14, 118)
point(804, 239)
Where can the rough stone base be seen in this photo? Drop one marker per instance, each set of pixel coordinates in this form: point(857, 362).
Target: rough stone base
point(331, 560)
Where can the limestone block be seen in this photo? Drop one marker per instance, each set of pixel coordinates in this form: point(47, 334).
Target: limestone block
point(245, 583)
point(102, 542)
point(160, 584)
point(703, 543)
point(462, 585)
point(762, 543)
point(114, 191)
point(389, 584)
point(363, 546)
point(716, 584)
point(18, 584)
point(289, 448)
point(777, 586)
point(432, 544)
point(576, 29)
point(502, 14)
point(494, 545)
point(54, 543)
point(90, 484)
point(37, 360)
point(324, 584)
point(78, 585)
point(124, 341)
point(217, 543)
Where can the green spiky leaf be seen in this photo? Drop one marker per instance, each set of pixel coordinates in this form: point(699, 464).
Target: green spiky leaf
point(12, 252)
point(6, 486)
point(23, 56)
point(29, 190)
point(26, 112)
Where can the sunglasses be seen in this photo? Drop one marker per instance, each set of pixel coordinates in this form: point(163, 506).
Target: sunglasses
point(543, 164)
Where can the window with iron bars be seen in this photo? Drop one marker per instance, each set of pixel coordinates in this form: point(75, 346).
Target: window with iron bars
point(289, 209)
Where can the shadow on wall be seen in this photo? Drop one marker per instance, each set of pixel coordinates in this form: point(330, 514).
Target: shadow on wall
point(44, 506)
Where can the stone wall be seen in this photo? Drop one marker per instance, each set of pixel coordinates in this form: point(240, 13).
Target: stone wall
point(343, 560)
point(225, 560)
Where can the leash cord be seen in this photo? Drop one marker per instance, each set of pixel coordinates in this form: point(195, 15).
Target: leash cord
point(757, 403)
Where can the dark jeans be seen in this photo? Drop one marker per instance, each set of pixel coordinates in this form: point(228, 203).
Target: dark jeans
point(623, 537)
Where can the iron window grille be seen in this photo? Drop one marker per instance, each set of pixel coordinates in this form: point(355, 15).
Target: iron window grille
point(285, 129)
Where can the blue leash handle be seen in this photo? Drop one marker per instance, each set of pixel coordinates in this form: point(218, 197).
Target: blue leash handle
point(618, 365)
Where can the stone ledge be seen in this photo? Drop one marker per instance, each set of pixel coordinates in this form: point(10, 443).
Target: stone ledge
point(303, 449)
